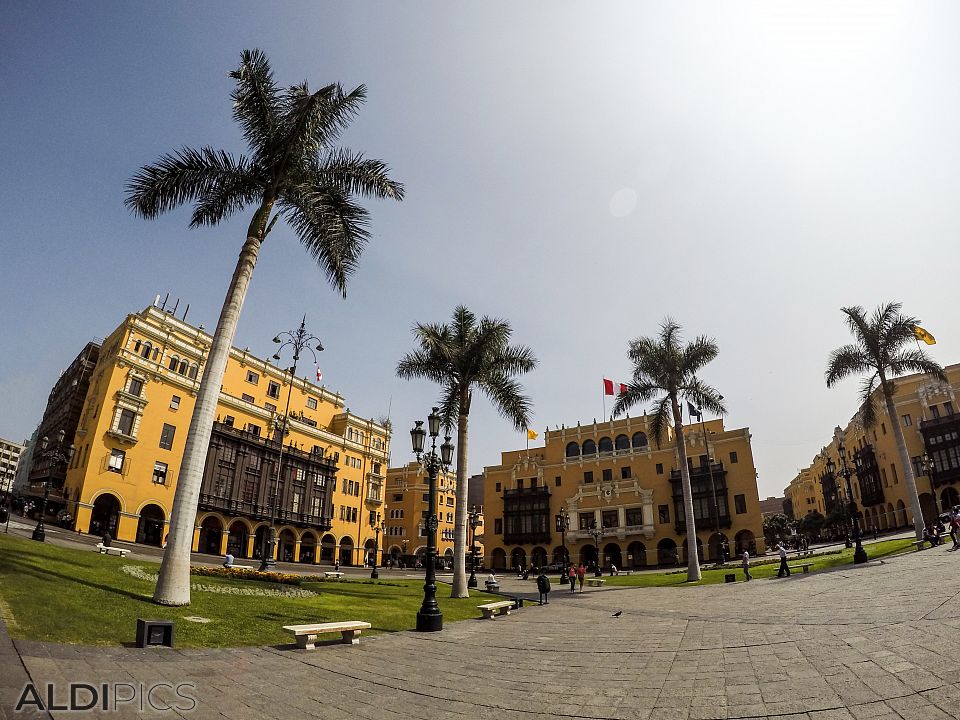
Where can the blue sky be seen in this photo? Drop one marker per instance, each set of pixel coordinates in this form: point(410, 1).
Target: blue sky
point(583, 170)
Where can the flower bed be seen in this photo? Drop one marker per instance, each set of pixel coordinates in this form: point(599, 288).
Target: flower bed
point(143, 574)
point(239, 574)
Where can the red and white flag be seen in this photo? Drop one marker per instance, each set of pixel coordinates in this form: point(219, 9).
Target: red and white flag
point(319, 374)
point(608, 386)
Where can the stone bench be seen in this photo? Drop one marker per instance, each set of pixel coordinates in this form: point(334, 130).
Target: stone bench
point(110, 550)
point(491, 610)
point(804, 567)
point(332, 575)
point(306, 635)
point(492, 585)
point(595, 582)
point(239, 567)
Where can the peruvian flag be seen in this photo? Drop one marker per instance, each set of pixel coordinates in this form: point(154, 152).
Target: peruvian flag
point(319, 374)
point(608, 386)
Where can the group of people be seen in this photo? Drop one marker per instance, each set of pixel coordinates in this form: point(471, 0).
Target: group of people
point(933, 532)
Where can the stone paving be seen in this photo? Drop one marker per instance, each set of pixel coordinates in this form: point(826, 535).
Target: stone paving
point(877, 641)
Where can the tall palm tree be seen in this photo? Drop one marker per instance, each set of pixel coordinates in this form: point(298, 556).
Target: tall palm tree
point(461, 356)
point(292, 171)
point(883, 348)
point(664, 371)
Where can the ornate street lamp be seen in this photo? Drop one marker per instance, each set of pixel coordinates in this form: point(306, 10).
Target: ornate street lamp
point(378, 526)
point(429, 618)
point(474, 517)
point(859, 555)
point(929, 468)
point(563, 524)
point(597, 533)
point(55, 457)
point(298, 340)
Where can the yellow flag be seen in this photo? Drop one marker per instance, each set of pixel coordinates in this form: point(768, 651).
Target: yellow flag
point(922, 334)
point(531, 434)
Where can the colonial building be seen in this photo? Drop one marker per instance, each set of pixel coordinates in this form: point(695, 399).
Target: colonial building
point(408, 501)
point(9, 459)
point(926, 410)
point(610, 482)
point(804, 494)
point(129, 443)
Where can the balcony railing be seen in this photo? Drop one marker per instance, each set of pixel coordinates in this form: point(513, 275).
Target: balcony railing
point(256, 511)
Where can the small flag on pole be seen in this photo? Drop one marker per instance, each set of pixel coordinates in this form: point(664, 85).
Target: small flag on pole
point(531, 434)
point(922, 334)
point(319, 374)
point(609, 385)
point(693, 412)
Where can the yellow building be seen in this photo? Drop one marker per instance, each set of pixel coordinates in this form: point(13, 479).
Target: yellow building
point(926, 411)
point(607, 477)
point(408, 501)
point(805, 493)
point(132, 428)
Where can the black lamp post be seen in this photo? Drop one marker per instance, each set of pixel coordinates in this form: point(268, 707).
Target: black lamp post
point(563, 524)
point(55, 457)
point(474, 516)
point(597, 534)
point(429, 618)
point(859, 555)
point(298, 340)
point(929, 468)
point(378, 526)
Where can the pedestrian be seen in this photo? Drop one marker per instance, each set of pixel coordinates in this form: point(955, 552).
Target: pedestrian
point(784, 569)
point(746, 565)
point(543, 587)
point(336, 564)
point(581, 574)
point(572, 576)
point(955, 529)
point(613, 570)
point(876, 533)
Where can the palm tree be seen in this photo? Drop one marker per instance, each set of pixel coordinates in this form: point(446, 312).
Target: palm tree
point(883, 348)
point(461, 356)
point(664, 371)
point(292, 171)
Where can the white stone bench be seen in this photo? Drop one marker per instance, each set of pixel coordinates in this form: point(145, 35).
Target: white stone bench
point(806, 567)
point(595, 582)
point(239, 567)
point(306, 635)
point(491, 610)
point(110, 550)
point(332, 575)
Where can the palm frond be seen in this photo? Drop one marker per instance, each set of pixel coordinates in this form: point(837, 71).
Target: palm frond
point(868, 409)
point(661, 418)
point(916, 361)
point(704, 396)
point(845, 361)
point(256, 100)
point(229, 195)
point(507, 397)
point(421, 364)
point(313, 121)
point(637, 393)
point(353, 173)
point(449, 405)
point(699, 353)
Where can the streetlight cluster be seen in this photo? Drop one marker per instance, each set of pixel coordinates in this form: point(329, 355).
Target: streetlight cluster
point(55, 457)
point(473, 517)
point(859, 555)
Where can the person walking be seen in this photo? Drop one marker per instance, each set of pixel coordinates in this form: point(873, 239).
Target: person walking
point(955, 529)
point(784, 569)
point(543, 587)
point(746, 566)
point(581, 574)
point(572, 577)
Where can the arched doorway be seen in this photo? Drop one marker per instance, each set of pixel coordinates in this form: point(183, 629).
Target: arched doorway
point(346, 551)
point(308, 548)
point(369, 552)
point(105, 515)
point(498, 559)
point(928, 507)
point(328, 548)
point(287, 546)
point(718, 547)
point(948, 499)
point(700, 555)
point(396, 554)
point(636, 554)
point(612, 555)
point(150, 525)
point(588, 555)
point(448, 559)
point(237, 539)
point(744, 540)
point(667, 552)
point(901, 514)
point(518, 559)
point(538, 557)
point(259, 541)
point(211, 533)
point(560, 555)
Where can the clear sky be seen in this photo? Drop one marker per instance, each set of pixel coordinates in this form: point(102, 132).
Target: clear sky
point(580, 169)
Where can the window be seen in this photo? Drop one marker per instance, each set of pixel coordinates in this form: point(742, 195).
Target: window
point(606, 445)
point(450, 502)
point(253, 429)
point(166, 436)
point(175, 402)
point(585, 520)
point(639, 440)
point(634, 516)
point(519, 483)
point(247, 398)
point(228, 421)
point(588, 476)
point(948, 407)
point(659, 468)
point(556, 481)
point(533, 482)
point(312, 403)
point(733, 457)
point(270, 406)
point(125, 422)
point(907, 422)
point(252, 377)
point(115, 464)
point(136, 387)
point(740, 502)
point(273, 389)
point(607, 475)
point(398, 497)
point(883, 474)
point(622, 443)
point(883, 427)
point(426, 497)
point(934, 412)
point(573, 450)
point(160, 473)
point(610, 519)
point(626, 473)
point(497, 487)
point(893, 472)
point(663, 514)
point(589, 447)
point(498, 526)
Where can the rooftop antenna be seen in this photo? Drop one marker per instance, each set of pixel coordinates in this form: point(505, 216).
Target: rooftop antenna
point(184, 318)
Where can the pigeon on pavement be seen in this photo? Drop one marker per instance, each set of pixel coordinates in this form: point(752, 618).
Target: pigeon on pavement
point(618, 613)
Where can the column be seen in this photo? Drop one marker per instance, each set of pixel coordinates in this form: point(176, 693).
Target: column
point(224, 537)
point(296, 551)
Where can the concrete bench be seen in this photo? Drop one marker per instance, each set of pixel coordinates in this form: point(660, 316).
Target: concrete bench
point(239, 567)
point(492, 585)
point(110, 550)
point(306, 635)
point(623, 572)
point(332, 575)
point(804, 567)
point(595, 582)
point(491, 610)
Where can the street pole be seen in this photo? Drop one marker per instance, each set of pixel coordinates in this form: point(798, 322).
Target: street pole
point(376, 547)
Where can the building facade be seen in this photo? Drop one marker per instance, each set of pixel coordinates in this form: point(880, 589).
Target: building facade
point(545, 504)
point(408, 507)
point(134, 421)
point(926, 410)
point(9, 460)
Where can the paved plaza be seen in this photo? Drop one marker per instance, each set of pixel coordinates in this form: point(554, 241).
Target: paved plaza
point(878, 641)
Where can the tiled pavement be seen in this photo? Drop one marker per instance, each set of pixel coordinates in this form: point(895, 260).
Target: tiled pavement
point(873, 642)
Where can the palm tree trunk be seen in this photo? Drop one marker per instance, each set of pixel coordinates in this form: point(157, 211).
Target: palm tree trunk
point(459, 588)
point(693, 558)
point(173, 584)
point(904, 461)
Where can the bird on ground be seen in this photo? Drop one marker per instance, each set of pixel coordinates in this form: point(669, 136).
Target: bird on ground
point(618, 613)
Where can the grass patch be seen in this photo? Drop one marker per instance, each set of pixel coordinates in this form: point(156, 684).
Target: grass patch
point(714, 577)
point(64, 595)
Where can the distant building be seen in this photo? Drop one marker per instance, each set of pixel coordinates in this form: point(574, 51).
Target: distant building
point(10, 453)
point(407, 496)
point(772, 506)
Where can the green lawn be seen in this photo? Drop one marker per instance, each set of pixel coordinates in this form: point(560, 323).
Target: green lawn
point(73, 596)
point(711, 577)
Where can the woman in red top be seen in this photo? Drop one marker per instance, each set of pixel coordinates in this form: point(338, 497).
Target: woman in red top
point(581, 573)
point(572, 576)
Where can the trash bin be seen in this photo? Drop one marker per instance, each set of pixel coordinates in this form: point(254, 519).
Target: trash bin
point(730, 577)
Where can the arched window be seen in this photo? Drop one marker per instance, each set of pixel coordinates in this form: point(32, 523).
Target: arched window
point(145, 353)
point(639, 439)
point(194, 369)
point(182, 368)
point(136, 347)
point(174, 362)
point(622, 442)
point(573, 450)
point(606, 444)
point(156, 353)
point(589, 447)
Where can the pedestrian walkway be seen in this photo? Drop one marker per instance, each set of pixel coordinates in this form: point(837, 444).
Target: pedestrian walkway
point(876, 641)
